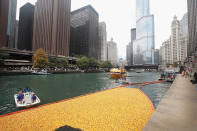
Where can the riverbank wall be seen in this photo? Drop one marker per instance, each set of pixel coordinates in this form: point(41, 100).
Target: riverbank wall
point(26, 72)
point(177, 110)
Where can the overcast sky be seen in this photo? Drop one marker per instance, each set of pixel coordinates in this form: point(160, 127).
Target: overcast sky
point(119, 16)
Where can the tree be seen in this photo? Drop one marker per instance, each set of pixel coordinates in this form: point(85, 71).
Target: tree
point(175, 64)
point(93, 63)
point(83, 62)
point(3, 55)
point(40, 59)
point(106, 64)
point(62, 62)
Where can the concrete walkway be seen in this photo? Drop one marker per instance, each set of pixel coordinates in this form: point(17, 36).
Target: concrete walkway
point(177, 111)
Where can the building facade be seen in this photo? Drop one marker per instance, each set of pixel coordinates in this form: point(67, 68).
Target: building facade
point(192, 26)
point(165, 51)
point(128, 53)
point(25, 31)
point(133, 38)
point(51, 30)
point(112, 52)
point(143, 46)
point(103, 41)
point(84, 32)
point(176, 48)
point(7, 23)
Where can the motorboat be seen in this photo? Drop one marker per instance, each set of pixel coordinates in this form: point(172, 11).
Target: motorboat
point(27, 99)
point(42, 72)
point(123, 81)
point(139, 70)
point(117, 73)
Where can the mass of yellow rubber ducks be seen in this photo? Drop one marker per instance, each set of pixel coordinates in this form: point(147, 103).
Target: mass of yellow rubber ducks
point(119, 109)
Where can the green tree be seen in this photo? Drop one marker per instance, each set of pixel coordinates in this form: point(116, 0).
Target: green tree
point(58, 62)
point(106, 64)
point(40, 59)
point(83, 62)
point(93, 63)
point(175, 64)
point(3, 55)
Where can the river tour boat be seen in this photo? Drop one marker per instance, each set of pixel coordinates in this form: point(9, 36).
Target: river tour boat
point(118, 73)
point(26, 99)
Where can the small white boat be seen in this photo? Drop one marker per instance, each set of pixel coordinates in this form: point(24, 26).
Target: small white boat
point(123, 82)
point(42, 72)
point(27, 101)
point(139, 70)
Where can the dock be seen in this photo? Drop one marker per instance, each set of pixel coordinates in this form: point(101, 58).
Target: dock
point(177, 111)
point(117, 109)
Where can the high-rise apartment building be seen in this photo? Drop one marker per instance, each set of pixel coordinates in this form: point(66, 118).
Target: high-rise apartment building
point(112, 52)
point(7, 23)
point(103, 41)
point(25, 31)
point(84, 32)
point(143, 46)
point(51, 29)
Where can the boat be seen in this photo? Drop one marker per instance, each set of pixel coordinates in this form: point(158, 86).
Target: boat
point(117, 73)
point(27, 100)
point(42, 72)
point(123, 82)
point(139, 70)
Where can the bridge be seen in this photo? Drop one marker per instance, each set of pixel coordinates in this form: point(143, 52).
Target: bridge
point(146, 67)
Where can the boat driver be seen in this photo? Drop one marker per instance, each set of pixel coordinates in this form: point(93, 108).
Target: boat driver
point(20, 97)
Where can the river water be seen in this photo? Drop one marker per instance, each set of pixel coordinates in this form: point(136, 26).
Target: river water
point(56, 87)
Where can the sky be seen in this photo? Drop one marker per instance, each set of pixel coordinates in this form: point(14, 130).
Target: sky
point(120, 17)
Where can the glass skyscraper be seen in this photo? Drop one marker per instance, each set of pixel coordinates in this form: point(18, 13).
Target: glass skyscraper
point(143, 46)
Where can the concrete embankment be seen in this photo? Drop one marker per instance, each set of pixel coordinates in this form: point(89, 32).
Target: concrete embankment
point(118, 109)
point(177, 111)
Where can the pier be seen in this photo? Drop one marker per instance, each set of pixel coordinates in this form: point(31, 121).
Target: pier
point(120, 108)
point(177, 111)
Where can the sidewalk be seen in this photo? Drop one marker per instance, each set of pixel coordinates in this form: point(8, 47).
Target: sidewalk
point(177, 111)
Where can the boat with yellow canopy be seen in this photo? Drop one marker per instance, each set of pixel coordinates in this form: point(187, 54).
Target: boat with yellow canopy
point(118, 73)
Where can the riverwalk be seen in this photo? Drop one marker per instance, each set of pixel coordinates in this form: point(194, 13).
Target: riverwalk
point(177, 110)
point(117, 109)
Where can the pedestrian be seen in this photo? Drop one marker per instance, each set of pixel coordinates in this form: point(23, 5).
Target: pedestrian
point(183, 73)
point(195, 80)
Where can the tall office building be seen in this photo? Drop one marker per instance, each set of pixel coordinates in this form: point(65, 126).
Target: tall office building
point(128, 53)
point(133, 38)
point(103, 41)
point(7, 23)
point(192, 26)
point(51, 29)
point(112, 52)
point(175, 35)
point(143, 46)
point(25, 33)
point(84, 32)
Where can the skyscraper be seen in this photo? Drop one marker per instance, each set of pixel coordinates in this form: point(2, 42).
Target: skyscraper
point(7, 23)
point(143, 46)
point(84, 32)
point(103, 41)
point(112, 52)
point(133, 38)
point(192, 26)
point(52, 26)
point(25, 31)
